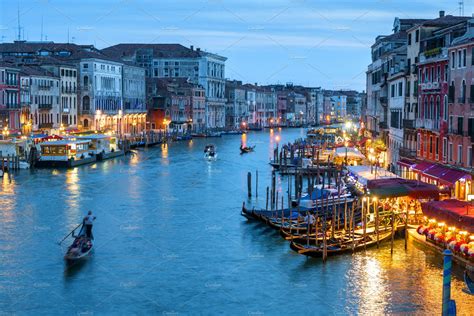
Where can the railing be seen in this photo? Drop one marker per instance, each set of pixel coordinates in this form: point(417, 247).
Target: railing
point(46, 106)
point(409, 123)
point(420, 123)
point(46, 125)
point(407, 152)
point(456, 131)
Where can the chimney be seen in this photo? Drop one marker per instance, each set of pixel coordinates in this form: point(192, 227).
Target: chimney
point(198, 49)
point(191, 47)
point(441, 14)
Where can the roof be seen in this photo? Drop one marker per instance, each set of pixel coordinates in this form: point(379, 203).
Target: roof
point(60, 51)
point(64, 142)
point(157, 50)
point(454, 212)
point(363, 174)
point(36, 71)
point(446, 20)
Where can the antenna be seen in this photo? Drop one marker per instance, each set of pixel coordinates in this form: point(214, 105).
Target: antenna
point(461, 7)
point(68, 35)
point(19, 28)
point(41, 28)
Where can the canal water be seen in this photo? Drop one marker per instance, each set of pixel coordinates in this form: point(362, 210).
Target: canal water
point(170, 239)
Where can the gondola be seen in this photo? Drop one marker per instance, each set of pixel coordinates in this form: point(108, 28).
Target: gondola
point(246, 150)
point(339, 247)
point(469, 284)
point(80, 248)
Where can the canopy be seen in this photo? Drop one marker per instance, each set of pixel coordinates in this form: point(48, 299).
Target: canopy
point(363, 174)
point(445, 175)
point(398, 187)
point(423, 166)
point(454, 212)
point(405, 162)
point(352, 153)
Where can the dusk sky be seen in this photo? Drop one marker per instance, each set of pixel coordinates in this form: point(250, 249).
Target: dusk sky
point(314, 43)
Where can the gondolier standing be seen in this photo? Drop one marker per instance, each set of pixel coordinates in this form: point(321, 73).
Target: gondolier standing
point(88, 222)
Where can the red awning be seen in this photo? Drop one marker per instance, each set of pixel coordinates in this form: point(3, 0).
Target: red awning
point(406, 163)
point(452, 176)
point(423, 166)
point(454, 212)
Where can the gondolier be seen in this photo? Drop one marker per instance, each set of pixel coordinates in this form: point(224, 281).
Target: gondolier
point(88, 222)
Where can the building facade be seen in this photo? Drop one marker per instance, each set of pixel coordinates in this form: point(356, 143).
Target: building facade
point(9, 97)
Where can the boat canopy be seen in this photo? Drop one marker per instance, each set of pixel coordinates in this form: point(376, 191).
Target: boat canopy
point(398, 187)
point(454, 212)
point(352, 153)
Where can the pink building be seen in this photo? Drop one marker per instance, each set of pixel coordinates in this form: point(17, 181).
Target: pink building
point(461, 102)
point(9, 96)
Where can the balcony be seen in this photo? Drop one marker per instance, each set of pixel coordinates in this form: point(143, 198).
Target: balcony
point(407, 152)
point(420, 123)
point(456, 131)
point(46, 125)
point(45, 106)
point(383, 125)
point(430, 86)
point(409, 123)
point(434, 53)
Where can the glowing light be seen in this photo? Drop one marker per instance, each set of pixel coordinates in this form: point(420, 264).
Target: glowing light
point(277, 138)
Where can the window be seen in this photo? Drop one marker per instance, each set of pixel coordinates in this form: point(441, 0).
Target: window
point(446, 73)
point(409, 38)
point(417, 36)
point(445, 148)
point(418, 142)
point(459, 59)
point(85, 66)
point(469, 156)
point(400, 89)
point(438, 73)
point(472, 56)
point(445, 108)
point(459, 160)
point(453, 60)
point(392, 90)
point(437, 147)
point(463, 92)
point(464, 53)
point(450, 152)
point(451, 92)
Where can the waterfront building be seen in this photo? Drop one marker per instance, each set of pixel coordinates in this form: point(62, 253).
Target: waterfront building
point(25, 105)
point(9, 96)
point(236, 105)
point(282, 101)
point(432, 58)
point(385, 49)
point(198, 105)
point(460, 101)
point(172, 101)
point(353, 104)
point(99, 89)
point(68, 104)
point(175, 60)
point(44, 98)
point(132, 118)
point(251, 99)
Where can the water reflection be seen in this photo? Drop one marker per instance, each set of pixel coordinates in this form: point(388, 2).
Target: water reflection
point(243, 139)
point(73, 188)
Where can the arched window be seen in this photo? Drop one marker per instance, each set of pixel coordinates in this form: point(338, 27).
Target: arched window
point(86, 81)
point(437, 109)
point(86, 123)
point(431, 113)
point(86, 105)
point(425, 108)
point(463, 92)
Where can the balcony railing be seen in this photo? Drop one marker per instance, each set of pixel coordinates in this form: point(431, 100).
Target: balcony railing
point(420, 123)
point(46, 125)
point(438, 52)
point(45, 106)
point(456, 131)
point(409, 123)
point(407, 152)
point(430, 85)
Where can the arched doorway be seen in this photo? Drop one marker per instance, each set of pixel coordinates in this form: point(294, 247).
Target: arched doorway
point(86, 123)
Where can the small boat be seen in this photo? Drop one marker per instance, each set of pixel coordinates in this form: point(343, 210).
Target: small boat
point(469, 284)
point(80, 248)
point(338, 247)
point(210, 152)
point(247, 149)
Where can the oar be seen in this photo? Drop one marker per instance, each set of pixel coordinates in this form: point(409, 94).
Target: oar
point(69, 234)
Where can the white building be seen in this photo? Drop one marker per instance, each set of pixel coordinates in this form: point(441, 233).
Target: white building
point(396, 105)
point(44, 98)
point(68, 104)
point(101, 93)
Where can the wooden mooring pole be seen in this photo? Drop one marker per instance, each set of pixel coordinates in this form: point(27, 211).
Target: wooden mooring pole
point(249, 183)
